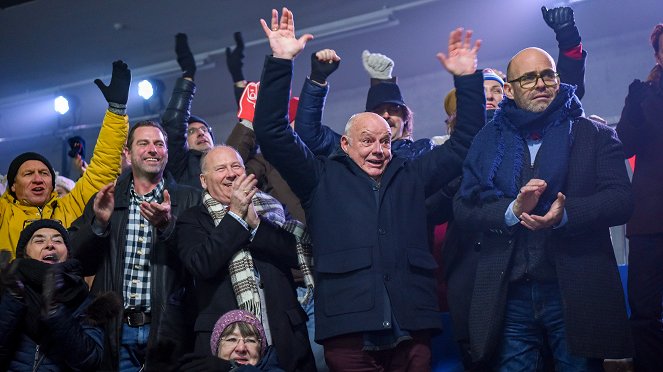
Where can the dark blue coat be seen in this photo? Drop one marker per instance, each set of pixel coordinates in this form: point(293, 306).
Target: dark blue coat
point(69, 344)
point(367, 239)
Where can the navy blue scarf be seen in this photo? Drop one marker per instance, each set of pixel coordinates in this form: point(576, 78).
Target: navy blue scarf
point(493, 165)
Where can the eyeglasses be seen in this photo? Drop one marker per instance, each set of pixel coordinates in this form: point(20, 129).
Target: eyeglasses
point(28, 222)
point(234, 341)
point(192, 130)
point(529, 80)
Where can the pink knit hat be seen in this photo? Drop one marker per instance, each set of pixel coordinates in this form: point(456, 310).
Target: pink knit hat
point(236, 316)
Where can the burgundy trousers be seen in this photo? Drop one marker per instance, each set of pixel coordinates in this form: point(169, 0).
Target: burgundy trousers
point(344, 353)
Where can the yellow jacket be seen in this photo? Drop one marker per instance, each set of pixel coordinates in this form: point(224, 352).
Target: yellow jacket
point(104, 168)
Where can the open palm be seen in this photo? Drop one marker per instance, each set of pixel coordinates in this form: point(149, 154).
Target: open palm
point(461, 58)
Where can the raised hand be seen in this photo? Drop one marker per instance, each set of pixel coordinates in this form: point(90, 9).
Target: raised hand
point(461, 58)
point(235, 58)
point(104, 204)
point(118, 90)
point(243, 190)
point(528, 197)
point(281, 35)
point(324, 63)
point(184, 56)
point(158, 214)
point(550, 219)
point(558, 18)
point(377, 65)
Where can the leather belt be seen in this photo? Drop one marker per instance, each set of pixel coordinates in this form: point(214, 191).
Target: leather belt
point(137, 318)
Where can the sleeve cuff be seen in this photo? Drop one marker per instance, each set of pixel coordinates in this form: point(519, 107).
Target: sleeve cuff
point(509, 217)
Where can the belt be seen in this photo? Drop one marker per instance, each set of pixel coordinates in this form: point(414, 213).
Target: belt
point(136, 318)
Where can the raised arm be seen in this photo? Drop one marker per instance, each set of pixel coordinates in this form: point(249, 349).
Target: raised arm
point(278, 142)
point(571, 60)
point(176, 117)
point(321, 139)
point(444, 163)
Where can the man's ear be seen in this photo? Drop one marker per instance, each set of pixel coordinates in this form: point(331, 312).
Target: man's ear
point(508, 90)
point(202, 181)
point(345, 143)
point(127, 154)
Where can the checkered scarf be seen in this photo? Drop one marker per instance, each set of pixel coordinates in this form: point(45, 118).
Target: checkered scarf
point(242, 272)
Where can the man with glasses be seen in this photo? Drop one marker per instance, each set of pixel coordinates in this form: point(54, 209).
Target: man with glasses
point(189, 136)
point(543, 185)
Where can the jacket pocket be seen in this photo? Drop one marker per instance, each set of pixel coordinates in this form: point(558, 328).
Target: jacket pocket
point(421, 283)
point(345, 282)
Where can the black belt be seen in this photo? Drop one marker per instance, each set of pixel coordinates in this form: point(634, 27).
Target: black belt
point(136, 318)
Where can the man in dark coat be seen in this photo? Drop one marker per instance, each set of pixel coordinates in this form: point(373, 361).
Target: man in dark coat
point(375, 291)
point(240, 251)
point(126, 239)
point(543, 184)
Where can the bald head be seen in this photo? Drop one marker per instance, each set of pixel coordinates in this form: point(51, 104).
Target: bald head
point(367, 141)
point(532, 65)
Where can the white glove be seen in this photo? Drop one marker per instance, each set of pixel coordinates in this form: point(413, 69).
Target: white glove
point(377, 65)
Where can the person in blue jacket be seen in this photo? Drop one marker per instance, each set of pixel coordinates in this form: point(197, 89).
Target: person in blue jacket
point(49, 321)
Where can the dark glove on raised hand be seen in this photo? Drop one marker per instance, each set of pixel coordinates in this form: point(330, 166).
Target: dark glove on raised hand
point(561, 20)
point(8, 278)
point(320, 70)
point(184, 56)
point(117, 92)
point(202, 363)
point(637, 91)
point(234, 58)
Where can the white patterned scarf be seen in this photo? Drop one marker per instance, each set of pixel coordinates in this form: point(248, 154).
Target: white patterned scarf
point(241, 269)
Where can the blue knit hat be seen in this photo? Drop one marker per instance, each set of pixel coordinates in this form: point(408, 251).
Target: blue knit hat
point(489, 74)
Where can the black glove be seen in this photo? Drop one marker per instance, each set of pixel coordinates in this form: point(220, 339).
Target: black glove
point(204, 363)
point(8, 278)
point(117, 92)
point(234, 58)
point(320, 71)
point(637, 91)
point(184, 56)
point(76, 146)
point(562, 22)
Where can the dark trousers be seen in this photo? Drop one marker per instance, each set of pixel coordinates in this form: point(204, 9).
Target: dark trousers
point(645, 296)
point(344, 353)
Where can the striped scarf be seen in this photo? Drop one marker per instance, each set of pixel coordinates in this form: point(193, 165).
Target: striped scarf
point(241, 269)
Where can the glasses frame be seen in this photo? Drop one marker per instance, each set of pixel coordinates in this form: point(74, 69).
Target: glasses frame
point(536, 80)
point(243, 339)
point(190, 131)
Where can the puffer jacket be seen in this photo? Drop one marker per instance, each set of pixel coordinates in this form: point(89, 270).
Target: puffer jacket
point(103, 169)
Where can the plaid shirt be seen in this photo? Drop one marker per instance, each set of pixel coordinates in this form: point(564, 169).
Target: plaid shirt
point(137, 276)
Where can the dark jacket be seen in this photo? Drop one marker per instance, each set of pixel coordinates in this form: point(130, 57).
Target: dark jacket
point(598, 195)
point(369, 239)
point(104, 256)
point(206, 251)
point(322, 140)
point(269, 179)
point(640, 129)
point(183, 164)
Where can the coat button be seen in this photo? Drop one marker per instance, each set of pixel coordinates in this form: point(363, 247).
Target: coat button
point(376, 188)
point(386, 277)
point(386, 324)
point(381, 231)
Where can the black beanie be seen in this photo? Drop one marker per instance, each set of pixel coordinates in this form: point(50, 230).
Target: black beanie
point(18, 161)
point(383, 93)
point(32, 228)
point(198, 119)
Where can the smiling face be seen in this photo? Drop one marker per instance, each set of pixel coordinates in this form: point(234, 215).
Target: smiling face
point(147, 152)
point(47, 245)
point(367, 141)
point(220, 167)
point(393, 115)
point(198, 137)
point(531, 61)
point(33, 183)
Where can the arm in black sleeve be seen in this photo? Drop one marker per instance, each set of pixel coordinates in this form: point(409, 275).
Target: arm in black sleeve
point(572, 71)
point(175, 121)
point(87, 245)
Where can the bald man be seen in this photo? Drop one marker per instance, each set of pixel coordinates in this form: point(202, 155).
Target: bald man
point(543, 184)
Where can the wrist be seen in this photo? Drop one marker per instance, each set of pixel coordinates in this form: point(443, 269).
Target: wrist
point(117, 108)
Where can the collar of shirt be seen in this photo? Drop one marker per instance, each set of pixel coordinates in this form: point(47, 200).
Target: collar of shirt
point(155, 195)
